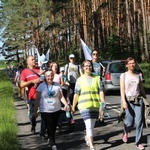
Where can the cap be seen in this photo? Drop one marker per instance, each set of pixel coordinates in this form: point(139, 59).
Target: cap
point(71, 56)
point(62, 69)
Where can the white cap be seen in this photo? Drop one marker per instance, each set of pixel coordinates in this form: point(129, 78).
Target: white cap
point(71, 56)
point(62, 69)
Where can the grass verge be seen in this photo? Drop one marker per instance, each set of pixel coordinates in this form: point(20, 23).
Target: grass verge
point(8, 125)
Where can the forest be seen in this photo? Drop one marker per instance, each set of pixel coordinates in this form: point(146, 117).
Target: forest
point(116, 28)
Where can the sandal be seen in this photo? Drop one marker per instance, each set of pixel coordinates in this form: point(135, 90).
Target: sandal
point(125, 138)
point(140, 147)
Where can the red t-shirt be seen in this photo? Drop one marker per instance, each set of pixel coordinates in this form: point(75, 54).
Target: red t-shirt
point(28, 75)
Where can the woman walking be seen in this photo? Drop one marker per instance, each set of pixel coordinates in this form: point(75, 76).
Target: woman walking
point(131, 87)
point(48, 96)
point(88, 94)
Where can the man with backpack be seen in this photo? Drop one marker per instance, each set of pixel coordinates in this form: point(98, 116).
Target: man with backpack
point(72, 72)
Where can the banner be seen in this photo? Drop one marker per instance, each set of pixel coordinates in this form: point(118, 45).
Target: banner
point(42, 58)
point(86, 51)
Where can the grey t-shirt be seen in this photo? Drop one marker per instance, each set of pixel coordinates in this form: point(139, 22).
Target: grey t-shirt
point(97, 68)
point(72, 72)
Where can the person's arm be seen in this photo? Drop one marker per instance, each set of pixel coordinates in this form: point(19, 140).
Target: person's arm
point(64, 101)
point(122, 91)
point(75, 101)
point(102, 96)
point(36, 103)
point(61, 80)
point(16, 76)
point(27, 83)
point(142, 90)
point(80, 70)
point(42, 72)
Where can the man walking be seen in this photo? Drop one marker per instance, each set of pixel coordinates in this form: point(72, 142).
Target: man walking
point(72, 72)
point(30, 77)
point(99, 69)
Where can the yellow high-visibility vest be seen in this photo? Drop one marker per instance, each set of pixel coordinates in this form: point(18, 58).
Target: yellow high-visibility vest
point(89, 95)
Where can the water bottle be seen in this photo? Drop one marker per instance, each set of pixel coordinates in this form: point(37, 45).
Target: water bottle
point(68, 114)
point(103, 107)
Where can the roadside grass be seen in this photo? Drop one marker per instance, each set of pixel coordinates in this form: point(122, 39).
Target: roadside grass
point(8, 125)
point(146, 72)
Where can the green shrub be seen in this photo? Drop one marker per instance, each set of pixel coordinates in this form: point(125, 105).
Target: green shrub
point(146, 72)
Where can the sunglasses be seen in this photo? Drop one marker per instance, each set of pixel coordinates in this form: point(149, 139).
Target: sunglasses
point(71, 57)
point(95, 54)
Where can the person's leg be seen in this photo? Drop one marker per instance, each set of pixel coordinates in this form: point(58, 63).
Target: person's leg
point(128, 121)
point(89, 124)
point(71, 92)
point(43, 129)
point(139, 112)
point(51, 120)
point(32, 119)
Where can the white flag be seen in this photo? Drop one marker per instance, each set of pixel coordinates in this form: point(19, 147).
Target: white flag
point(86, 51)
point(47, 55)
point(43, 58)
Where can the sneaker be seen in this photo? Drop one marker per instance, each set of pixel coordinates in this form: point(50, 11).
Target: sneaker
point(33, 130)
point(92, 148)
point(43, 137)
point(54, 147)
point(140, 146)
point(72, 121)
point(86, 140)
point(28, 112)
point(125, 138)
point(102, 122)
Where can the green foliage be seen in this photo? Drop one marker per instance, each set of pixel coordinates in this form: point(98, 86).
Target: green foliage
point(2, 64)
point(146, 72)
point(8, 126)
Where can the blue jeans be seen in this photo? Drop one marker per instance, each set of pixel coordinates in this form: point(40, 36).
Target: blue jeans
point(31, 118)
point(134, 114)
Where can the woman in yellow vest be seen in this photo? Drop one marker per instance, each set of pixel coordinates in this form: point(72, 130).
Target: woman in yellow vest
point(88, 94)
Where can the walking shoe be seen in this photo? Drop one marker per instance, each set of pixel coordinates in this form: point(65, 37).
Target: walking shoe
point(54, 147)
point(43, 137)
point(72, 121)
point(86, 140)
point(125, 138)
point(33, 130)
point(140, 146)
point(102, 122)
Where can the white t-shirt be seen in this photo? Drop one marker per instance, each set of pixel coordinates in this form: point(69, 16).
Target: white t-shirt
point(131, 84)
point(57, 78)
point(50, 97)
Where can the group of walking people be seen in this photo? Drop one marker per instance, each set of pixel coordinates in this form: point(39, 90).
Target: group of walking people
point(86, 90)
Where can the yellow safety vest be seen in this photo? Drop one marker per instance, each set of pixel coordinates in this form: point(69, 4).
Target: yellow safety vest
point(89, 95)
